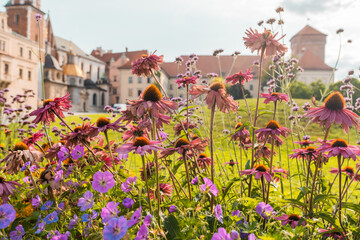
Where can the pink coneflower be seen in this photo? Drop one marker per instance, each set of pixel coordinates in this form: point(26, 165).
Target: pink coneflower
point(259, 171)
point(203, 161)
point(331, 233)
point(262, 151)
point(308, 153)
point(33, 139)
point(140, 145)
point(305, 143)
point(186, 81)
point(103, 124)
point(349, 171)
point(271, 131)
point(216, 94)
point(80, 134)
point(165, 190)
point(334, 110)
point(231, 163)
point(133, 132)
point(279, 172)
point(241, 133)
point(183, 145)
point(292, 219)
point(339, 147)
point(264, 42)
point(240, 77)
point(52, 107)
point(7, 188)
point(151, 101)
point(273, 97)
point(178, 127)
point(146, 64)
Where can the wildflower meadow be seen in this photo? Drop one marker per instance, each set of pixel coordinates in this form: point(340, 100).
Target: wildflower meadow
point(202, 167)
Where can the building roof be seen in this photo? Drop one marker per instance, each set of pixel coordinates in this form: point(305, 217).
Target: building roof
point(72, 70)
point(308, 30)
point(66, 45)
point(209, 64)
point(109, 56)
point(89, 84)
point(309, 61)
point(51, 62)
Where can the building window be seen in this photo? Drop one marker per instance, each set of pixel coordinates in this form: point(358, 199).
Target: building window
point(29, 75)
point(139, 79)
point(114, 78)
point(36, 38)
point(20, 73)
point(139, 92)
point(6, 69)
point(17, 19)
point(114, 91)
point(94, 99)
point(130, 92)
point(90, 69)
point(148, 80)
point(58, 76)
point(21, 51)
point(2, 24)
point(117, 99)
point(98, 73)
point(3, 45)
point(29, 54)
point(171, 87)
point(82, 66)
point(251, 87)
point(130, 79)
point(102, 99)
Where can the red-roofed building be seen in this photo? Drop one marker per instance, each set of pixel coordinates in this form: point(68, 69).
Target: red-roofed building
point(124, 85)
point(308, 45)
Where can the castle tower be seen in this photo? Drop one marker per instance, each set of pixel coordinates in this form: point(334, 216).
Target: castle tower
point(308, 39)
point(21, 18)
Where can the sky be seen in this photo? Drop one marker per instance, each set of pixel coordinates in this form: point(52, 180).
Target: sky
point(182, 27)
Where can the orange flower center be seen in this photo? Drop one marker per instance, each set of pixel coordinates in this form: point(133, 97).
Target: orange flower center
point(152, 93)
point(47, 101)
point(144, 56)
point(335, 101)
point(102, 121)
point(294, 217)
point(203, 155)
point(274, 94)
point(195, 137)
point(238, 125)
point(310, 149)
point(349, 170)
point(339, 143)
point(181, 142)
point(216, 86)
point(77, 129)
point(261, 168)
point(20, 146)
point(141, 141)
point(273, 125)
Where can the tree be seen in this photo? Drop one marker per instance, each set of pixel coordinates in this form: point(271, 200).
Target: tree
point(317, 89)
point(235, 91)
point(300, 90)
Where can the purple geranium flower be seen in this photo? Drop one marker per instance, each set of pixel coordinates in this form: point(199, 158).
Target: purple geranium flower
point(209, 186)
point(73, 222)
point(41, 228)
point(103, 181)
point(143, 233)
point(78, 152)
point(134, 218)
point(128, 202)
point(63, 153)
point(265, 210)
point(148, 219)
point(195, 181)
point(172, 209)
point(52, 217)
point(115, 229)
point(86, 202)
point(110, 211)
point(234, 234)
point(18, 233)
point(218, 213)
point(35, 202)
point(88, 217)
point(128, 184)
point(47, 205)
point(221, 235)
point(58, 175)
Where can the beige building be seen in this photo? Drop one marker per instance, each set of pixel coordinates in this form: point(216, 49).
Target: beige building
point(308, 45)
point(19, 67)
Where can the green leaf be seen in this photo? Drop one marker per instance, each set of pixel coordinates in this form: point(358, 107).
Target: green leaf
point(172, 225)
point(247, 165)
point(228, 186)
point(352, 206)
point(295, 202)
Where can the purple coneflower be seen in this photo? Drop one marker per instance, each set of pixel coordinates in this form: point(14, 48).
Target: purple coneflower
point(7, 188)
point(241, 133)
point(273, 97)
point(240, 77)
point(259, 171)
point(186, 81)
point(146, 64)
point(292, 219)
point(140, 145)
point(338, 147)
point(348, 171)
point(271, 132)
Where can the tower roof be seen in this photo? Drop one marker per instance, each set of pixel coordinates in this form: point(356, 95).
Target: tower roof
point(308, 30)
point(310, 61)
point(72, 70)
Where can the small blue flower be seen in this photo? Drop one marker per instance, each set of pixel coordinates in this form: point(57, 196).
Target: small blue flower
point(47, 205)
point(52, 217)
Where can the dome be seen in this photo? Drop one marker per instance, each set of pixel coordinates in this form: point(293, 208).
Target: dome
point(72, 70)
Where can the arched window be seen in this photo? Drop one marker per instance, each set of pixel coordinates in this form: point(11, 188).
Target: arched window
point(102, 99)
point(94, 99)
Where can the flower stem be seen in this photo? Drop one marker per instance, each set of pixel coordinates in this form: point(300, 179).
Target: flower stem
point(212, 149)
point(246, 103)
point(153, 136)
point(271, 163)
point(340, 196)
point(187, 173)
point(111, 154)
point(146, 181)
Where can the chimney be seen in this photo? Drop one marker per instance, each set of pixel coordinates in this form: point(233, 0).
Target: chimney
point(109, 51)
point(126, 49)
